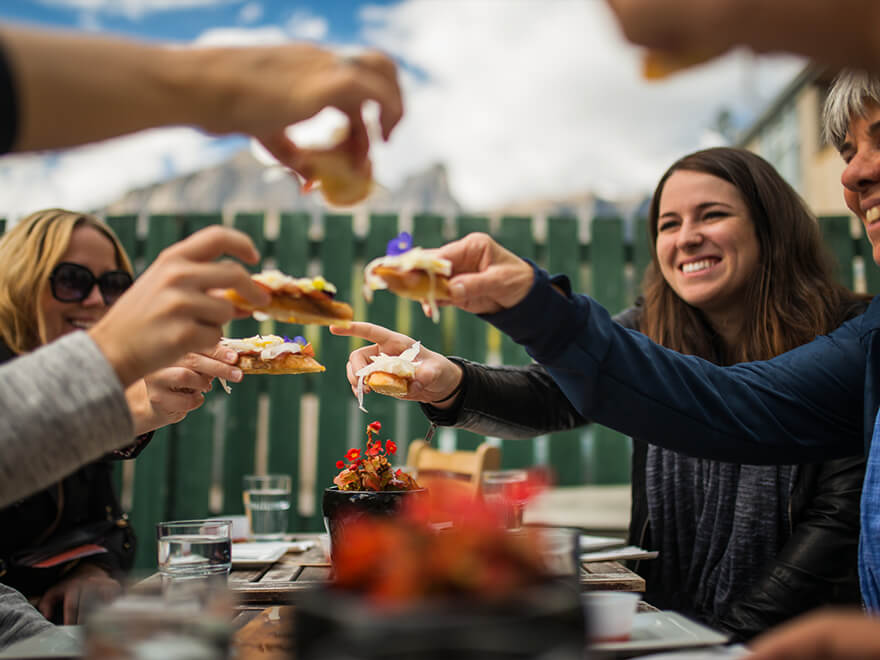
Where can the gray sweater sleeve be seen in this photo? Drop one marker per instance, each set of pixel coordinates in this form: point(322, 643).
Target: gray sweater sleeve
point(18, 618)
point(62, 407)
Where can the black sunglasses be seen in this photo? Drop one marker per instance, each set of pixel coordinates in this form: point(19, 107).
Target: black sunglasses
point(73, 283)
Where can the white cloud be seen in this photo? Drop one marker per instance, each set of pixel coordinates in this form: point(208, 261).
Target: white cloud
point(527, 99)
point(305, 25)
point(133, 8)
point(250, 13)
point(94, 175)
point(238, 36)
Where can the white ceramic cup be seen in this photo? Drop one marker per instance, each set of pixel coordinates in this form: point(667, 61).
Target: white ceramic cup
point(609, 614)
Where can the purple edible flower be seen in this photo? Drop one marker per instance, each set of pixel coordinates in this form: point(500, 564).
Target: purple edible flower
point(399, 244)
point(299, 339)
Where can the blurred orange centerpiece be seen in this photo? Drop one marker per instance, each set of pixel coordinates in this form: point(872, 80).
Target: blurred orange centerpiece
point(404, 588)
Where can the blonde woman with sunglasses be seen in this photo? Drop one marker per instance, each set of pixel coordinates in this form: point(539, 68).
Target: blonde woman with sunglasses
point(60, 272)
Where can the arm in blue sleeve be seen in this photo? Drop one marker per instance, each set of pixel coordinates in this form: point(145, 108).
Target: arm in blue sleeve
point(803, 406)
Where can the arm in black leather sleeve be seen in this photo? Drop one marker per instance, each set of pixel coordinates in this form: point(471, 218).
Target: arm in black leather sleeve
point(818, 564)
point(513, 402)
point(507, 402)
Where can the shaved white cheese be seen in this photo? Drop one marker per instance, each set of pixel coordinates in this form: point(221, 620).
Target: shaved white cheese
point(403, 365)
point(224, 385)
point(268, 346)
point(275, 280)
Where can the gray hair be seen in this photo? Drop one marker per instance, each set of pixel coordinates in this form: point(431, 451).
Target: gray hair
point(848, 97)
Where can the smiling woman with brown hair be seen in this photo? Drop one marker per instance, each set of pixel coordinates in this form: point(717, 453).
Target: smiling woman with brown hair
point(742, 547)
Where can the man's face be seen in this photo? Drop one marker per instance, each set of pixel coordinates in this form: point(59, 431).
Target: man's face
point(861, 176)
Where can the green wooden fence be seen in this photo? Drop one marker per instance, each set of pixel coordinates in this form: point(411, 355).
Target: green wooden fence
point(194, 468)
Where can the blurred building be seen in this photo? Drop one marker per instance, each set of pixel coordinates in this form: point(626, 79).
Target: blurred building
point(789, 135)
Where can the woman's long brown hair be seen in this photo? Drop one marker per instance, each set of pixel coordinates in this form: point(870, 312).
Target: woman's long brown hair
point(792, 296)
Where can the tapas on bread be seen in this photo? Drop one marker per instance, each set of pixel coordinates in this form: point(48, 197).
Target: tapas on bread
point(273, 355)
point(659, 64)
point(388, 374)
point(409, 272)
point(335, 175)
point(306, 300)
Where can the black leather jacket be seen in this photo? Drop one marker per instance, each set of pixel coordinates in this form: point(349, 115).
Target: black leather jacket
point(816, 566)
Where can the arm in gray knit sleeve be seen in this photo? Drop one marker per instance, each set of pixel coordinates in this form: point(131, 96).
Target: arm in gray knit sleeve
point(18, 618)
point(62, 407)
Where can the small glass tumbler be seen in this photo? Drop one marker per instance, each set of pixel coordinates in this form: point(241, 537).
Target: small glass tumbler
point(267, 505)
point(506, 492)
point(194, 556)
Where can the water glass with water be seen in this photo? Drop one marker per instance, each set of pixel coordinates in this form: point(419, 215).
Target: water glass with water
point(194, 554)
point(506, 493)
point(267, 503)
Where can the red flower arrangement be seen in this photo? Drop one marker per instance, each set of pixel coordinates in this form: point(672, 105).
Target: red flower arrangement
point(398, 560)
point(372, 470)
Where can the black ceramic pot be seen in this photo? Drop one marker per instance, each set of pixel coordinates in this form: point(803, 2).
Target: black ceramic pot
point(544, 622)
point(342, 506)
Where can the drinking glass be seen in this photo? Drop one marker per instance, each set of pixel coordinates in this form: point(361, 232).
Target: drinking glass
point(266, 503)
point(506, 492)
point(194, 555)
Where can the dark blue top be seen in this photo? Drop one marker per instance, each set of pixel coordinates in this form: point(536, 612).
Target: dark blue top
point(816, 402)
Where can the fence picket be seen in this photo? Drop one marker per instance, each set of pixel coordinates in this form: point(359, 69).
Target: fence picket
point(335, 404)
point(285, 394)
point(563, 256)
point(470, 336)
point(240, 428)
point(381, 311)
point(192, 453)
point(427, 233)
point(611, 451)
point(151, 497)
point(516, 235)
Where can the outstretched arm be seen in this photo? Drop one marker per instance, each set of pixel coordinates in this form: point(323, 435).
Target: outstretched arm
point(840, 33)
point(108, 87)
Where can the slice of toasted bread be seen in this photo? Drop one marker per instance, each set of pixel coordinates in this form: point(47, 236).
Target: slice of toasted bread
point(304, 309)
point(414, 284)
point(387, 384)
point(286, 363)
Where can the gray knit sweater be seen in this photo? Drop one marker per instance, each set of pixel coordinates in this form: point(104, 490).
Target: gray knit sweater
point(62, 407)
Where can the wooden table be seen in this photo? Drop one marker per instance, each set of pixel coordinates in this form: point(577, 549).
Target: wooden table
point(610, 576)
point(280, 583)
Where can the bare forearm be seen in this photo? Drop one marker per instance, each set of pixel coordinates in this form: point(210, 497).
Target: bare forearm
point(73, 89)
point(819, 29)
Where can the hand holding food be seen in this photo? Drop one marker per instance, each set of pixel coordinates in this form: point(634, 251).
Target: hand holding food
point(173, 307)
point(434, 377)
point(410, 272)
point(166, 396)
point(306, 300)
point(486, 277)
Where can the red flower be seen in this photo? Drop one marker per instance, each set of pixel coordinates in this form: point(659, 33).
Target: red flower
point(390, 446)
point(340, 465)
point(374, 449)
point(353, 454)
point(374, 427)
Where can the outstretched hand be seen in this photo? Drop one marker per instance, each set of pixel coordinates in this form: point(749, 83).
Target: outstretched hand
point(166, 396)
point(435, 379)
point(174, 307)
point(840, 634)
point(84, 584)
point(486, 278)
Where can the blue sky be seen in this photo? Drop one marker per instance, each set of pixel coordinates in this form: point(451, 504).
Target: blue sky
point(183, 21)
point(519, 99)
